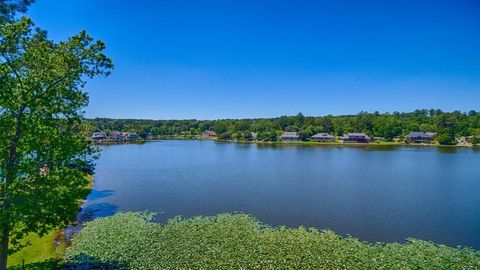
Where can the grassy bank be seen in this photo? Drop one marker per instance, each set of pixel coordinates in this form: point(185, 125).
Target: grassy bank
point(226, 241)
point(49, 247)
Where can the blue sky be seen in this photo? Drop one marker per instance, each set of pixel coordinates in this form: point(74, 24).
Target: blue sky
point(248, 59)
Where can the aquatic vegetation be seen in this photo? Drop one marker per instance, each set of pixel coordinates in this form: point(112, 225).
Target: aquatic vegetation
point(239, 241)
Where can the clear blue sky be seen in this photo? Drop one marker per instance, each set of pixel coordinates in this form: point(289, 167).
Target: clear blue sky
point(245, 59)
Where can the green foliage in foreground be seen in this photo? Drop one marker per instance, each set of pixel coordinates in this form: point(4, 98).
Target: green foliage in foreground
point(226, 241)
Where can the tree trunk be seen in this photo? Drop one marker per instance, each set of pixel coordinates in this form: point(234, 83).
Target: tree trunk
point(10, 173)
point(4, 249)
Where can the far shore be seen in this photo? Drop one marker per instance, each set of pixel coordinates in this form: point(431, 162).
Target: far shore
point(310, 143)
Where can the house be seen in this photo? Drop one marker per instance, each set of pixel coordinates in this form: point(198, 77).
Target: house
point(290, 136)
point(209, 133)
point(115, 136)
point(420, 137)
point(254, 135)
point(356, 138)
point(99, 135)
point(120, 136)
point(323, 137)
point(130, 135)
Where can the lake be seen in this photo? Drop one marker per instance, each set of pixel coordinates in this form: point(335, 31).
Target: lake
point(374, 193)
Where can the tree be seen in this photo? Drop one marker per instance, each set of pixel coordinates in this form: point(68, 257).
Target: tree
point(267, 136)
point(475, 140)
point(8, 9)
point(306, 133)
point(445, 138)
point(247, 135)
point(43, 151)
point(220, 127)
point(236, 136)
point(387, 128)
point(225, 136)
point(299, 119)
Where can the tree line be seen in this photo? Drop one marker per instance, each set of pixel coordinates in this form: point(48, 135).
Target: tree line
point(387, 126)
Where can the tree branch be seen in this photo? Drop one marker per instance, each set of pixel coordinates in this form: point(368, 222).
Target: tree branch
point(14, 70)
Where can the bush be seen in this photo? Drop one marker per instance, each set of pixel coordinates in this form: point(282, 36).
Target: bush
point(475, 140)
point(446, 139)
point(240, 241)
point(267, 136)
point(225, 136)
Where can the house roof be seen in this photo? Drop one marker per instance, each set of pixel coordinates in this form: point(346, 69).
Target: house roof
point(357, 134)
point(289, 134)
point(415, 134)
point(322, 135)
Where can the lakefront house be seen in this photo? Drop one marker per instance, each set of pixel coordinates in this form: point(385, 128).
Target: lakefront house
point(99, 135)
point(114, 136)
point(290, 136)
point(323, 137)
point(420, 137)
point(130, 135)
point(209, 134)
point(121, 136)
point(356, 138)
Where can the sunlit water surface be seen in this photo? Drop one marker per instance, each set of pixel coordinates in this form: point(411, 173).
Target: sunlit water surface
point(372, 193)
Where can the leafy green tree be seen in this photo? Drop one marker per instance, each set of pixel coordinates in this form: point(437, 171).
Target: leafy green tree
point(43, 151)
point(299, 119)
point(269, 136)
point(225, 136)
point(306, 133)
point(8, 9)
point(264, 125)
point(247, 135)
point(387, 128)
point(446, 138)
point(292, 128)
point(237, 136)
point(475, 140)
point(220, 127)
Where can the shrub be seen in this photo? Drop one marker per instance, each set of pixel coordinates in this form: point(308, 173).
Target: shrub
point(239, 241)
point(225, 136)
point(475, 140)
point(267, 136)
point(446, 139)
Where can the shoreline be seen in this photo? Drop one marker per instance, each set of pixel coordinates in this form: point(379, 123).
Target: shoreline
point(49, 248)
point(312, 143)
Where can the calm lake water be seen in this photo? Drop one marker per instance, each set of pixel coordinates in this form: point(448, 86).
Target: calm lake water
point(372, 193)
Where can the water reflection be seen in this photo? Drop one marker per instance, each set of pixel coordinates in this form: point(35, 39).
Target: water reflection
point(90, 210)
point(96, 210)
point(99, 194)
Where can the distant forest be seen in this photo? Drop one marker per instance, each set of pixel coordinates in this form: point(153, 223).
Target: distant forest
point(386, 126)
